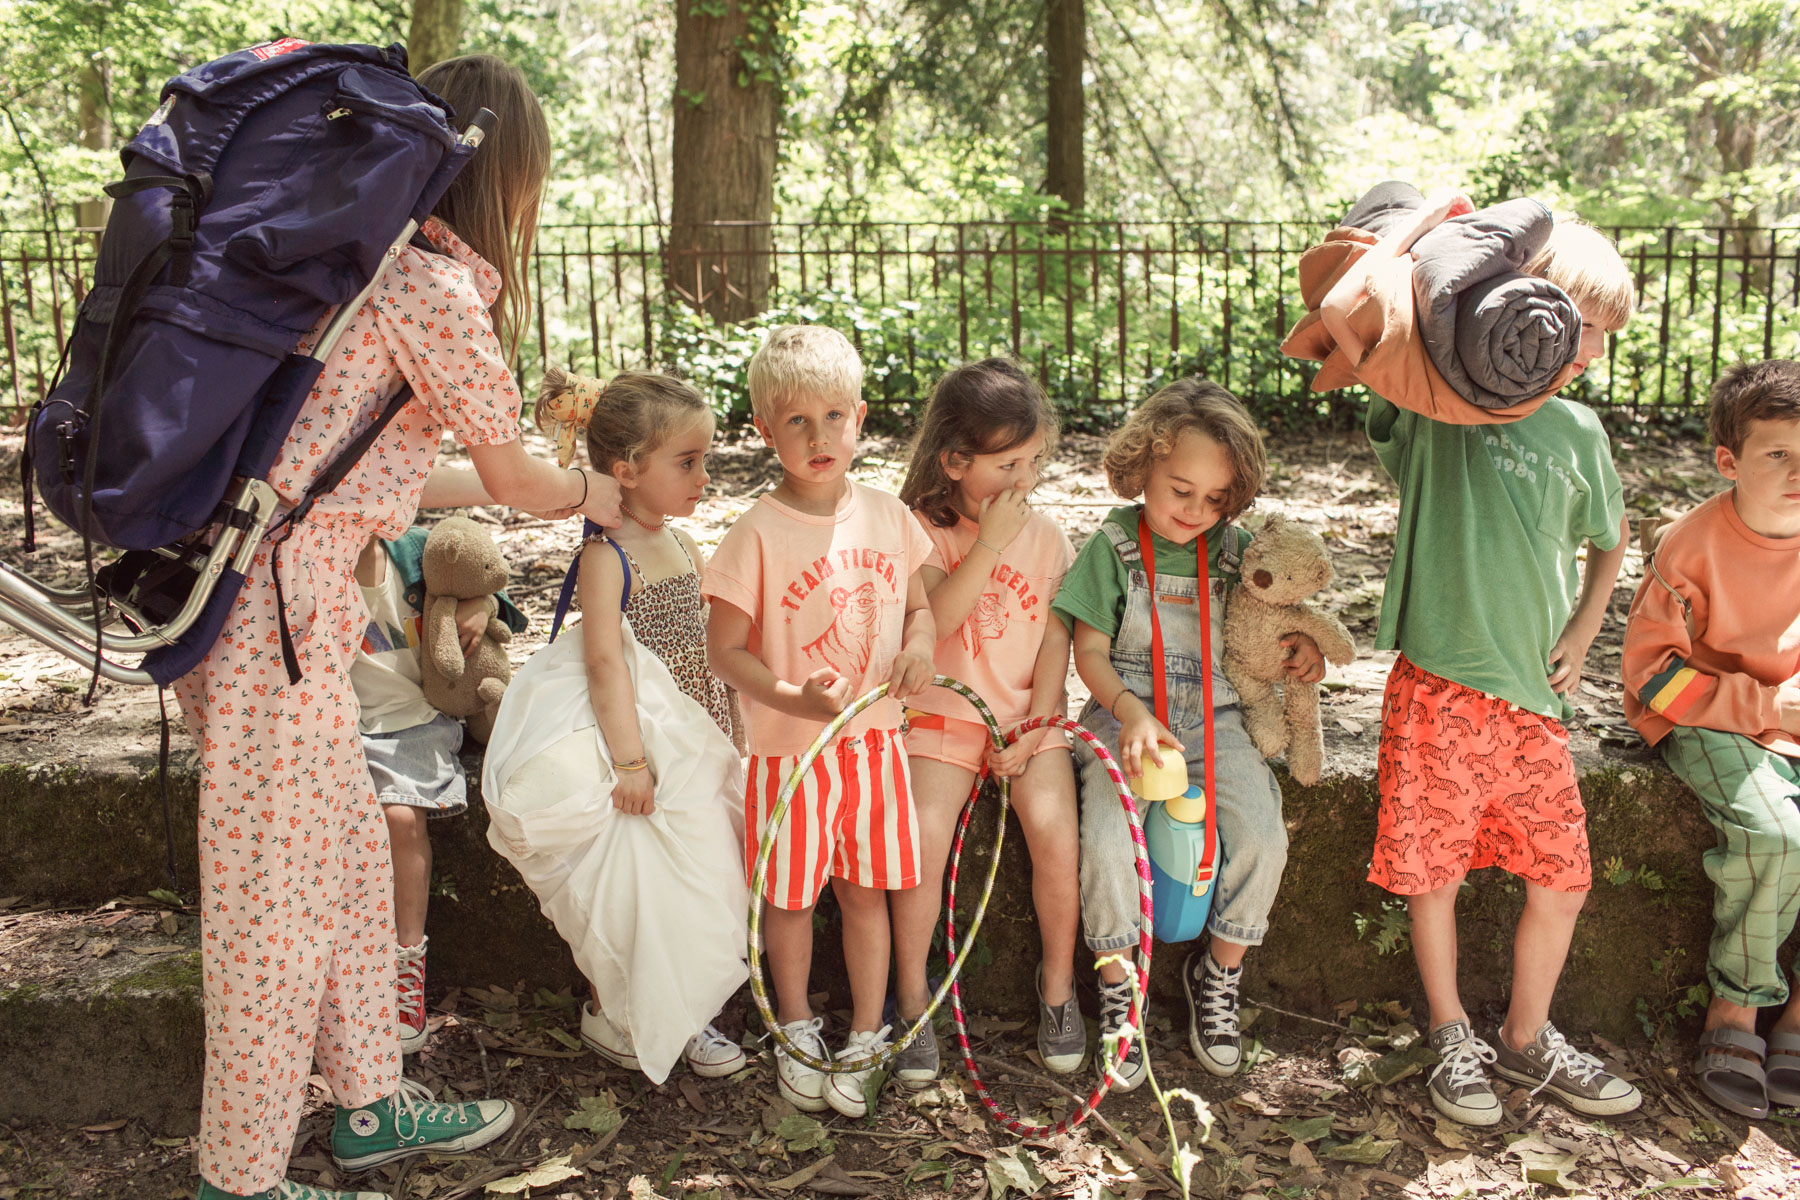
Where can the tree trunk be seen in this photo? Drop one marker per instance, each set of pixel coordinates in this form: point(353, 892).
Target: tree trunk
point(1065, 44)
point(96, 134)
point(435, 34)
point(726, 125)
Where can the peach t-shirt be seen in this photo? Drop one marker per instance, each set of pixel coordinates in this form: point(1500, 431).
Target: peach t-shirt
point(995, 650)
point(822, 592)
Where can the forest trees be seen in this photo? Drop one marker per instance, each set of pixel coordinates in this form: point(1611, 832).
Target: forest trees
point(728, 64)
point(435, 33)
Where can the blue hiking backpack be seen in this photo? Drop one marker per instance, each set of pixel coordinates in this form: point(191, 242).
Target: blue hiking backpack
point(271, 185)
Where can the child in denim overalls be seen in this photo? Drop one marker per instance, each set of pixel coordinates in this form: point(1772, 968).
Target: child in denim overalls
point(1193, 454)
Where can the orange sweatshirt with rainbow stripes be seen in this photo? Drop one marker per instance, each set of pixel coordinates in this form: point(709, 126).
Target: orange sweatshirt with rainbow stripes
point(1714, 630)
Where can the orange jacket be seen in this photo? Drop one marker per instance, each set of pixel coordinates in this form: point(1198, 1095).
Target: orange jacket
point(1396, 366)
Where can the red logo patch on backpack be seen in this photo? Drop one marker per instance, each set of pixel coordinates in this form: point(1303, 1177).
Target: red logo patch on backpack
point(270, 50)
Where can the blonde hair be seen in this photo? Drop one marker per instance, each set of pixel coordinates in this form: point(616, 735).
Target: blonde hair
point(493, 202)
point(1583, 262)
point(803, 359)
point(633, 414)
point(1153, 428)
point(986, 407)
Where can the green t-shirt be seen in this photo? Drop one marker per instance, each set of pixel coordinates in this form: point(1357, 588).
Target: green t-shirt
point(1491, 516)
point(1094, 589)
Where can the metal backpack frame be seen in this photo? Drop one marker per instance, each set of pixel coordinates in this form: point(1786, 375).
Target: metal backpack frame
point(83, 622)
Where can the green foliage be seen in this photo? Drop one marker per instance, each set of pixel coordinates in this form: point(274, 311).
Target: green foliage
point(1390, 930)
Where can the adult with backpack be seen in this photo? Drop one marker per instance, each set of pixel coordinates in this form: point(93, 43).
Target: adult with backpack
point(294, 875)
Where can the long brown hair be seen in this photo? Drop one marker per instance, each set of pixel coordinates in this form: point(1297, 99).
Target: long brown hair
point(493, 204)
point(985, 407)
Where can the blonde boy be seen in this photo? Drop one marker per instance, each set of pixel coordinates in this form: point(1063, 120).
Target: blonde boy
point(1493, 618)
point(816, 599)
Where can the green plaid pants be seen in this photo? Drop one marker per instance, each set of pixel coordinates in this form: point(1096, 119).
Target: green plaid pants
point(1752, 797)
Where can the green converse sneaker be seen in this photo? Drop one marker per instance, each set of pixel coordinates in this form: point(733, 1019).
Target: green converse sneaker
point(1579, 1080)
point(287, 1189)
point(410, 1122)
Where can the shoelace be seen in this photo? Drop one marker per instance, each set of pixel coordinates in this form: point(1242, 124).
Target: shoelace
point(1219, 1008)
point(1561, 1056)
point(411, 977)
point(1115, 1013)
point(865, 1045)
point(805, 1036)
point(708, 1039)
point(414, 1102)
point(1464, 1061)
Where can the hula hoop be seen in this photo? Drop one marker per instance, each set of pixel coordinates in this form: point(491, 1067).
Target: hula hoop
point(1142, 852)
point(759, 990)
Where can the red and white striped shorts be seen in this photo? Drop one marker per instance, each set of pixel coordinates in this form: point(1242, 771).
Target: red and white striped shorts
point(852, 813)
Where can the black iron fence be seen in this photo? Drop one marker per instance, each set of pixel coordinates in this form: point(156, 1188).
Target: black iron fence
point(1103, 311)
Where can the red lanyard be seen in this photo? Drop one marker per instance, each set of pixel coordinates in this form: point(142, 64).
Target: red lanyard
point(1160, 683)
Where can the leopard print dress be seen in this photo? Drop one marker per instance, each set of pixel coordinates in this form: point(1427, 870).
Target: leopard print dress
point(669, 617)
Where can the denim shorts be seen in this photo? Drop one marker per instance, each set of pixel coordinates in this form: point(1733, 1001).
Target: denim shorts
point(418, 767)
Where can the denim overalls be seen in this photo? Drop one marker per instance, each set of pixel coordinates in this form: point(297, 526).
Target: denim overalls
point(1252, 835)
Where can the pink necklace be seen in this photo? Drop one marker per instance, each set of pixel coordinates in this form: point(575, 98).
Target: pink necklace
point(626, 509)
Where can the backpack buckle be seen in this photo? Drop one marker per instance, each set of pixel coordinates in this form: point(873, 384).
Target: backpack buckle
point(65, 449)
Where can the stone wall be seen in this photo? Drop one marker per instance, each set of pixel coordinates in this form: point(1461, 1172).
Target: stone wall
point(88, 834)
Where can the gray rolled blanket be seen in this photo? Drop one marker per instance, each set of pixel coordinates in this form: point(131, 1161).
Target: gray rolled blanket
point(1498, 336)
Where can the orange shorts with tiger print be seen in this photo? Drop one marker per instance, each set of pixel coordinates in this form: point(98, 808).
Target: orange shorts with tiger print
point(1469, 780)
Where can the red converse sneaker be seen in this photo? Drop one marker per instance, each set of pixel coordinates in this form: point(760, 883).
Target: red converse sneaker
point(413, 1030)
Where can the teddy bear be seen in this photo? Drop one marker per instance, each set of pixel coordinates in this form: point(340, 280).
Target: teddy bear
point(461, 562)
point(1283, 565)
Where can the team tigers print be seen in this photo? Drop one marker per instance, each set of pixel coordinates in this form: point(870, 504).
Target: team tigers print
point(824, 592)
point(995, 649)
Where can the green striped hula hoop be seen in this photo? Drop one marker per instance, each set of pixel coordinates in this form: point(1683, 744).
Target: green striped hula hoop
point(759, 988)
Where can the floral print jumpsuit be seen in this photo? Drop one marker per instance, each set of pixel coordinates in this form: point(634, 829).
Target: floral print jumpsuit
point(296, 912)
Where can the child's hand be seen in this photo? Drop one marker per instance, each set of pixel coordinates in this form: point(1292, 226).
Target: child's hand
point(471, 623)
point(602, 506)
point(1304, 661)
point(824, 694)
point(1568, 658)
point(912, 674)
point(1787, 707)
point(635, 792)
point(1011, 762)
point(1143, 736)
point(1003, 516)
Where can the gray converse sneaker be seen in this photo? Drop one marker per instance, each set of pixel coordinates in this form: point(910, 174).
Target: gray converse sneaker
point(916, 1066)
point(1579, 1080)
point(1115, 1012)
point(1458, 1085)
point(1212, 996)
point(1062, 1038)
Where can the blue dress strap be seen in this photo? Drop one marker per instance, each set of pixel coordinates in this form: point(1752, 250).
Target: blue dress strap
point(589, 531)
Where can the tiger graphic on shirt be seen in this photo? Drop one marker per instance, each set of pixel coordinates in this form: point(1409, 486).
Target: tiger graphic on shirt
point(848, 642)
point(987, 621)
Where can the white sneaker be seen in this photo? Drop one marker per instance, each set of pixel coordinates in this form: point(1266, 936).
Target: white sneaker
point(712, 1055)
point(607, 1040)
point(845, 1092)
point(800, 1085)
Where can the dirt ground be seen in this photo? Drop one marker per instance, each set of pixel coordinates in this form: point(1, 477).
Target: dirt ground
point(1329, 1108)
